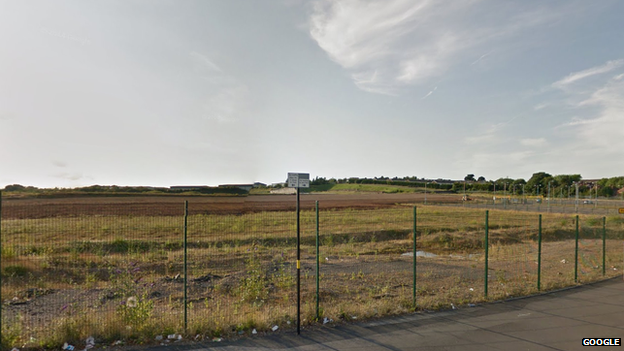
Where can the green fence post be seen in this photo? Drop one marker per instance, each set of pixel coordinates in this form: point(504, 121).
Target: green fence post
point(185, 268)
point(1, 261)
point(604, 244)
point(576, 251)
point(318, 311)
point(487, 213)
point(414, 268)
point(539, 254)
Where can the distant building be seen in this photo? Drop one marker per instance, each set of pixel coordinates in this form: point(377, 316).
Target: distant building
point(188, 187)
point(245, 187)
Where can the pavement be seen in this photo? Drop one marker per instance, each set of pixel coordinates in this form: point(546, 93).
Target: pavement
point(552, 321)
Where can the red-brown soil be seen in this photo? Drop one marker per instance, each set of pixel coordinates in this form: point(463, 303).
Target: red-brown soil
point(174, 205)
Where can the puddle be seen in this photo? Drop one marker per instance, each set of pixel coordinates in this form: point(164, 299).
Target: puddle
point(420, 254)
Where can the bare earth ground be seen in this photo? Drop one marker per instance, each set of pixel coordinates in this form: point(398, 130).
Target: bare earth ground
point(383, 278)
point(173, 205)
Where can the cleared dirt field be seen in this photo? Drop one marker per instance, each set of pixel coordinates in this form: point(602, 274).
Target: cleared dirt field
point(174, 205)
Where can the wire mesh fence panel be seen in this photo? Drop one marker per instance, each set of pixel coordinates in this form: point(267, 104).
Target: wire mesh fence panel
point(363, 272)
point(513, 254)
point(123, 269)
point(558, 250)
point(450, 257)
point(614, 244)
point(241, 272)
point(589, 267)
point(76, 270)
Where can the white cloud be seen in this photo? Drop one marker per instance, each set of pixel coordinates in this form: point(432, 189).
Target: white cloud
point(224, 95)
point(490, 136)
point(429, 93)
point(597, 128)
point(388, 44)
point(203, 62)
point(606, 128)
point(576, 76)
point(538, 142)
point(481, 58)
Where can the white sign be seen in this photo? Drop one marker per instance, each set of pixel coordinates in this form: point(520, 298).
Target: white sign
point(298, 180)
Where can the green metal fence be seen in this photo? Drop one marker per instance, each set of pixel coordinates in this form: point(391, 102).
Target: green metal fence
point(153, 271)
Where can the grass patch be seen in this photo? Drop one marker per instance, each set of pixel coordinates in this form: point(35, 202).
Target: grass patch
point(241, 268)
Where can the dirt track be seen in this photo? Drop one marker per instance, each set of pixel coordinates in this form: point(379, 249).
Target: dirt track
point(174, 205)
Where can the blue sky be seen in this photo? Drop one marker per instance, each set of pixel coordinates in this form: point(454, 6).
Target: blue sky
point(208, 92)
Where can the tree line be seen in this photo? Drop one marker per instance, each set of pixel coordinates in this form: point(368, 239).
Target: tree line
point(541, 183)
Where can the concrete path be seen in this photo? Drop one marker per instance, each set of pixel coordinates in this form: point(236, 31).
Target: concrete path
point(554, 321)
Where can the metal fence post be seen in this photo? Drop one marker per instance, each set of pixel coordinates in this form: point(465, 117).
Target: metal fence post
point(1, 260)
point(185, 268)
point(414, 268)
point(576, 250)
point(487, 213)
point(604, 245)
point(318, 311)
point(298, 266)
point(539, 254)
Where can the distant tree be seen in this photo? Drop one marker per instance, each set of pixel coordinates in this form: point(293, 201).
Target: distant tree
point(539, 183)
point(481, 179)
point(14, 187)
point(470, 178)
point(566, 179)
point(319, 181)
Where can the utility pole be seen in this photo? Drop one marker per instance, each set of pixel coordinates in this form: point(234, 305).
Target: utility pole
point(576, 202)
point(549, 195)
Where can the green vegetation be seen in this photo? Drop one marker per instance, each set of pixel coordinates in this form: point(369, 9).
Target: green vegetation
point(17, 190)
point(124, 273)
point(372, 188)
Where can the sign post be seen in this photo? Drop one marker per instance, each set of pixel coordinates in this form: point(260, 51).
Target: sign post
point(298, 180)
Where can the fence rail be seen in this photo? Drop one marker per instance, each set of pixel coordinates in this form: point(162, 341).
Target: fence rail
point(140, 271)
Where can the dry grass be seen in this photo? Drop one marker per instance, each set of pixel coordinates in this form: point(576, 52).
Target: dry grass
point(241, 269)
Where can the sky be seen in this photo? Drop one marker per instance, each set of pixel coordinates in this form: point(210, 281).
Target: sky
point(162, 93)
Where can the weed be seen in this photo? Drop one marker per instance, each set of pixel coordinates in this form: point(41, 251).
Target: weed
point(135, 311)
point(8, 252)
point(16, 271)
point(253, 286)
point(11, 334)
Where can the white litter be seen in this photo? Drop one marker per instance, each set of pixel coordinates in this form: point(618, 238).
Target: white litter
point(90, 343)
point(15, 349)
point(471, 289)
point(159, 337)
point(68, 347)
point(172, 336)
point(452, 305)
point(420, 254)
point(288, 322)
point(216, 339)
point(275, 327)
point(564, 261)
point(254, 332)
